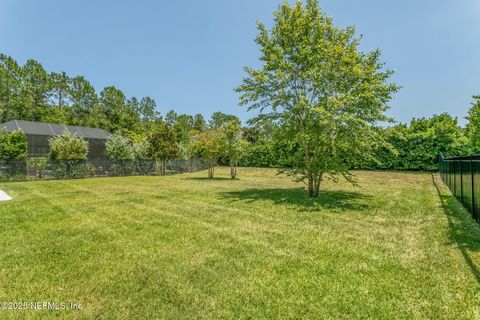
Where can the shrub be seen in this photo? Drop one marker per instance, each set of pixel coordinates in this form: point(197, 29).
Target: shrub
point(121, 153)
point(68, 147)
point(140, 150)
point(13, 145)
point(69, 153)
point(119, 148)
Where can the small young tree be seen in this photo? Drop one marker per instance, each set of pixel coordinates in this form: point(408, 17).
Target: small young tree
point(323, 92)
point(72, 151)
point(119, 148)
point(13, 146)
point(208, 145)
point(233, 145)
point(162, 145)
point(68, 147)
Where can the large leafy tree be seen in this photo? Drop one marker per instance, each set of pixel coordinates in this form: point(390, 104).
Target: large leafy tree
point(182, 127)
point(147, 110)
point(60, 88)
point(113, 102)
point(219, 119)
point(199, 123)
point(325, 94)
point(10, 80)
point(35, 91)
point(171, 117)
point(84, 99)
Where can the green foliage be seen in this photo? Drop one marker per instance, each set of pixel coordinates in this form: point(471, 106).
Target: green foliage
point(429, 136)
point(233, 145)
point(119, 148)
point(147, 110)
point(199, 123)
point(68, 147)
point(84, 108)
point(141, 154)
point(162, 145)
point(171, 117)
point(11, 105)
point(29, 92)
point(140, 149)
point(259, 155)
point(185, 149)
point(182, 127)
point(208, 146)
point(13, 145)
point(416, 146)
point(473, 127)
point(220, 119)
point(34, 90)
point(324, 93)
point(38, 164)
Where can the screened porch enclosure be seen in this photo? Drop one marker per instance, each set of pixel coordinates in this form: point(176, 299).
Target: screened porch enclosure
point(38, 135)
point(38, 147)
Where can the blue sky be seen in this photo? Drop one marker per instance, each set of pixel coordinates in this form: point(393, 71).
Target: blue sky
point(189, 55)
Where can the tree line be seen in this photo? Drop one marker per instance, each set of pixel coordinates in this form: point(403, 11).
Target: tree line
point(320, 100)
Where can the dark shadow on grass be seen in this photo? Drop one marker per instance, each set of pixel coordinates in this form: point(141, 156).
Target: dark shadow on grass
point(209, 179)
point(464, 231)
point(298, 197)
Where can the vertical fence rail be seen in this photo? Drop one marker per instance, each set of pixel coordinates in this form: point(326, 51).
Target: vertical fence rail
point(460, 175)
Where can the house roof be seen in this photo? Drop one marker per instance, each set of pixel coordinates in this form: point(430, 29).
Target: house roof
point(50, 129)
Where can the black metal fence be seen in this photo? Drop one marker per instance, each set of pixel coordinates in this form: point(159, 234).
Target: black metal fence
point(41, 168)
point(462, 176)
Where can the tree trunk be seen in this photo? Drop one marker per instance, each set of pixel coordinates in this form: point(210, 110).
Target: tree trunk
point(7, 107)
point(60, 100)
point(233, 170)
point(314, 182)
point(209, 170)
point(311, 189)
point(162, 167)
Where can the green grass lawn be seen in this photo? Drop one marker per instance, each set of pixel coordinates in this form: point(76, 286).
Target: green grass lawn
point(185, 247)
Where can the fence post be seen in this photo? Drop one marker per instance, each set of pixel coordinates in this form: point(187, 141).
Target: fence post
point(473, 187)
point(461, 180)
point(455, 177)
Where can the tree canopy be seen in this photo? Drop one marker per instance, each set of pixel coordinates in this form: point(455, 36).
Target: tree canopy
point(163, 145)
point(325, 94)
